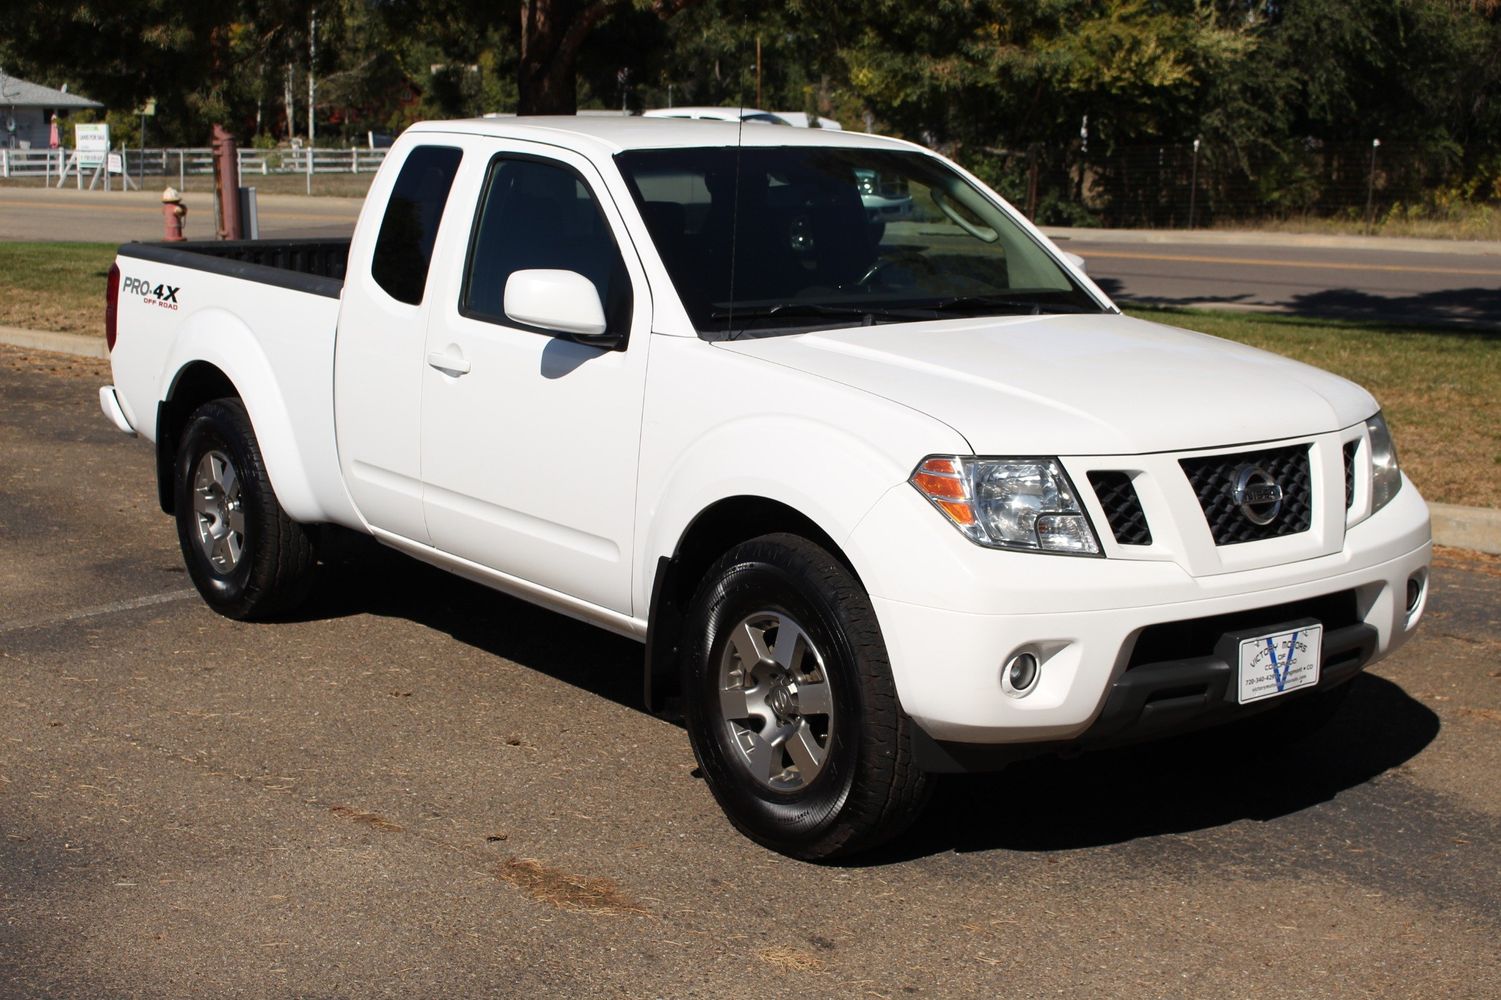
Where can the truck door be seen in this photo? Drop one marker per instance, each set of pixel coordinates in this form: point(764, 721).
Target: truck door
point(529, 439)
point(382, 335)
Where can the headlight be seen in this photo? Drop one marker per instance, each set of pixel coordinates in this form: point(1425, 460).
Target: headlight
point(1009, 503)
point(1386, 477)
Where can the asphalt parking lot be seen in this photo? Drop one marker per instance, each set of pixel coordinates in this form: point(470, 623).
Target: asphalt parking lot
point(420, 788)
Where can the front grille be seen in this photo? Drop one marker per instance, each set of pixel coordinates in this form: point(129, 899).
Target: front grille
point(1122, 507)
point(1350, 449)
point(1213, 480)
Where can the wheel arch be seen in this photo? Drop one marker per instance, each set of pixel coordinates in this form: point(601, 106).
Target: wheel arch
point(712, 532)
point(217, 355)
point(197, 383)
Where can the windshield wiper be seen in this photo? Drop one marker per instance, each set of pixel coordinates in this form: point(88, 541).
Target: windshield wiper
point(982, 303)
point(866, 313)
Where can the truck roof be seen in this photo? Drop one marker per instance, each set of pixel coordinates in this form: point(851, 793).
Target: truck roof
point(614, 135)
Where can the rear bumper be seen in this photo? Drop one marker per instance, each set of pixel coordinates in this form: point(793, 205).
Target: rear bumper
point(109, 402)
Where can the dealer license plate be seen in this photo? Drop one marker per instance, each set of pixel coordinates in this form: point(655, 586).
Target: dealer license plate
point(1276, 664)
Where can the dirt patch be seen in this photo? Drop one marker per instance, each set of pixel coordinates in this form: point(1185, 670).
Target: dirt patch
point(791, 959)
point(1475, 562)
point(69, 366)
point(1488, 714)
point(374, 820)
point(566, 891)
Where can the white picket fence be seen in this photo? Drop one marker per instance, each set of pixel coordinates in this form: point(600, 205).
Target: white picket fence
point(193, 161)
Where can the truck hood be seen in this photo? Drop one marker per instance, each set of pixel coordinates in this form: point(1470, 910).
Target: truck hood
point(1076, 385)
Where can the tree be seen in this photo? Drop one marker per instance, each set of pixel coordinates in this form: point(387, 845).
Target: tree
point(552, 33)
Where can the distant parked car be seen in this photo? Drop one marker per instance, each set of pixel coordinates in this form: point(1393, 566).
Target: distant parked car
point(884, 200)
point(799, 119)
point(719, 115)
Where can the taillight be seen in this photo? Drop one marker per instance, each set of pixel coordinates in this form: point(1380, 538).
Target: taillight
point(111, 305)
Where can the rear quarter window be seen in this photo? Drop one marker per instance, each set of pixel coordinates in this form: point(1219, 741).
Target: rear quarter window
point(404, 248)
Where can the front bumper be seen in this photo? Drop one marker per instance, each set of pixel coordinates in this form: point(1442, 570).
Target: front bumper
point(1084, 620)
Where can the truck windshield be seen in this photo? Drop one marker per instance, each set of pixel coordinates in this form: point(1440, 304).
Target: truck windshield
point(764, 240)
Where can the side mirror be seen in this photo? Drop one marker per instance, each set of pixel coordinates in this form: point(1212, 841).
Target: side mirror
point(1075, 260)
point(563, 302)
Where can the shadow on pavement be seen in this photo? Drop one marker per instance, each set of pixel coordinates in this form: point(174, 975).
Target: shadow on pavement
point(1251, 770)
point(1475, 311)
point(1248, 771)
point(361, 576)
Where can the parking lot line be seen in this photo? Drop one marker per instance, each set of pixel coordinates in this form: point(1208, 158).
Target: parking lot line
point(103, 609)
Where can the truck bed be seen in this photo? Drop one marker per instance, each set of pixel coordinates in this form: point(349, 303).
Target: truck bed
point(316, 266)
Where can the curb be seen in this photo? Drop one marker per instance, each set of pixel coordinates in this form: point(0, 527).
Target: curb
point(1474, 528)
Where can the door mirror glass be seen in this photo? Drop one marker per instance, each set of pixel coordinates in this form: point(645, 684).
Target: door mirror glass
point(542, 256)
point(557, 301)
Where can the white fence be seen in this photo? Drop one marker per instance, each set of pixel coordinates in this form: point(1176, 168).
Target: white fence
point(182, 163)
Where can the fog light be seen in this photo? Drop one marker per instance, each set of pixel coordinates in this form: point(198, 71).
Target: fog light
point(1020, 675)
point(1414, 594)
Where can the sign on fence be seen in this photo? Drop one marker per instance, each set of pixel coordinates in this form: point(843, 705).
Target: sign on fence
point(93, 144)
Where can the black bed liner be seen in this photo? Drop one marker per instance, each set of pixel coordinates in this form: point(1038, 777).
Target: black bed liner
point(315, 266)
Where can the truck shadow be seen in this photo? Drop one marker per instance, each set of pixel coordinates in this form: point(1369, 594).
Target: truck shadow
point(1247, 771)
point(361, 576)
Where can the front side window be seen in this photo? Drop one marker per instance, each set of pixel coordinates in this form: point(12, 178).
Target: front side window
point(537, 214)
point(404, 248)
point(761, 240)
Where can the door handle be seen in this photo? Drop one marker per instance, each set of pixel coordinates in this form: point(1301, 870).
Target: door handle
point(448, 364)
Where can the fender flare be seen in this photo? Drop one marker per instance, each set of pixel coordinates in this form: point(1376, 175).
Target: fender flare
point(217, 337)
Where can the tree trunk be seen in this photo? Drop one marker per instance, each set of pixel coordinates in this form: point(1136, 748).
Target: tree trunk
point(552, 32)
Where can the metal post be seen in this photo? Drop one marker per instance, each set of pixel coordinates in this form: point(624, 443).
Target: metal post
point(1193, 185)
point(758, 71)
point(1370, 190)
point(312, 69)
point(181, 175)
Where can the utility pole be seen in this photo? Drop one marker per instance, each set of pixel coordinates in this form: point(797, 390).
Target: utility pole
point(758, 71)
point(288, 105)
point(312, 69)
point(1193, 185)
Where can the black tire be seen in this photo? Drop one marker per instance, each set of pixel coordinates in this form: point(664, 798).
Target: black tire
point(270, 570)
point(867, 788)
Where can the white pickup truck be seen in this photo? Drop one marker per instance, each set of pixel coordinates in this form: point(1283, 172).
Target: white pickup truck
point(884, 493)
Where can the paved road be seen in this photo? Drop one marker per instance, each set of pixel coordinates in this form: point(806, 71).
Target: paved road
point(34, 213)
point(1344, 282)
point(421, 788)
point(1374, 281)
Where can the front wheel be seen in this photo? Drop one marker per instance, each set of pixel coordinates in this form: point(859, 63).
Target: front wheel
point(245, 556)
point(790, 703)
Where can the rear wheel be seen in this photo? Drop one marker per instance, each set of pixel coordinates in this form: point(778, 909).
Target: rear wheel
point(246, 557)
point(790, 703)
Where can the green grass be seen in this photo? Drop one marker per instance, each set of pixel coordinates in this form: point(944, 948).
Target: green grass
point(1440, 388)
point(54, 286)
